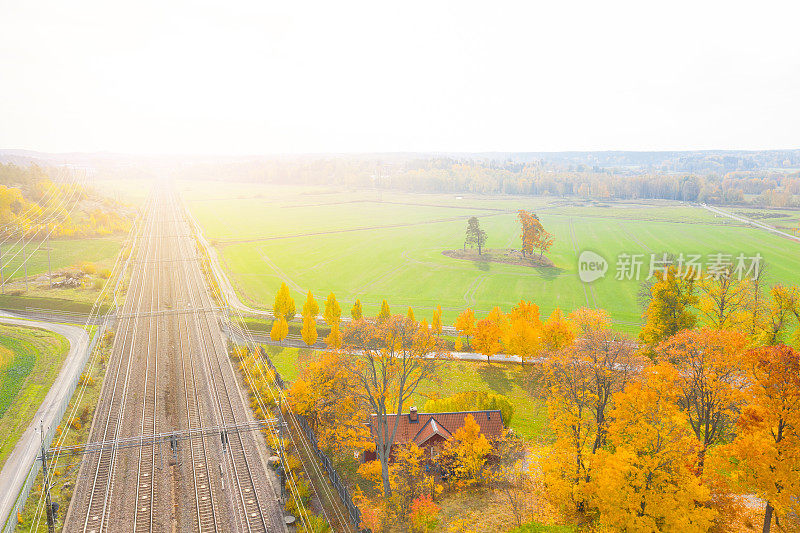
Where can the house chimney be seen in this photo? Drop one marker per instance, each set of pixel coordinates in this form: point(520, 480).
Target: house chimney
point(412, 414)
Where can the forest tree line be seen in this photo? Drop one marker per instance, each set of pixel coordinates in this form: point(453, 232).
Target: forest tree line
point(762, 186)
point(32, 204)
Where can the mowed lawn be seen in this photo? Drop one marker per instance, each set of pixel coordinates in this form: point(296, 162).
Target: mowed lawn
point(388, 246)
point(511, 380)
point(30, 360)
point(64, 253)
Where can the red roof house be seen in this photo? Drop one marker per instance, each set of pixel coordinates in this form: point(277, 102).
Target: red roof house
point(431, 430)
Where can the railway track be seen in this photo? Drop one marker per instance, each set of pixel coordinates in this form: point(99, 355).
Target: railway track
point(240, 448)
point(169, 371)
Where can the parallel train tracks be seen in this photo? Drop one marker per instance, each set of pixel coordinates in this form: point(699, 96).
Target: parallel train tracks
point(211, 483)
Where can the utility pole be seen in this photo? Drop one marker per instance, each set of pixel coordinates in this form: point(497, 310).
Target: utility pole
point(49, 269)
point(25, 262)
point(46, 484)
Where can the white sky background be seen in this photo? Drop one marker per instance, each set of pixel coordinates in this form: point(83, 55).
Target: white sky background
point(257, 77)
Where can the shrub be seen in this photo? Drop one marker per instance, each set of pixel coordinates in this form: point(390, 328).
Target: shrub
point(105, 273)
point(88, 267)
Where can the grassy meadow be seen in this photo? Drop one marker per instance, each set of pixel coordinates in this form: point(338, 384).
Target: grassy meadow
point(30, 360)
point(511, 380)
point(65, 253)
point(373, 245)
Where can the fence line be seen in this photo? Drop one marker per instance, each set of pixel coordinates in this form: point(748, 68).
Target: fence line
point(352, 509)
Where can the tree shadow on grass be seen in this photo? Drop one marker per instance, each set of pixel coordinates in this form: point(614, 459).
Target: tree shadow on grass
point(483, 265)
point(549, 273)
point(495, 377)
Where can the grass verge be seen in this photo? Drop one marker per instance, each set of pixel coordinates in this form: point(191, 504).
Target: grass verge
point(31, 362)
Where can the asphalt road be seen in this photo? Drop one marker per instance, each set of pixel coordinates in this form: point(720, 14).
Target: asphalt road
point(16, 467)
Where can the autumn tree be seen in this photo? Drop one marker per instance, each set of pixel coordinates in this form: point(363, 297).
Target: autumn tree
point(321, 393)
point(766, 451)
point(388, 361)
point(670, 307)
point(488, 334)
point(310, 312)
point(356, 313)
point(384, 313)
point(410, 314)
point(284, 303)
point(310, 307)
point(332, 313)
point(724, 301)
point(779, 322)
point(557, 333)
point(466, 455)
point(643, 482)
point(309, 331)
point(544, 241)
point(708, 379)
point(280, 329)
point(465, 323)
point(407, 479)
point(529, 230)
point(475, 236)
point(582, 380)
point(523, 337)
point(436, 321)
point(508, 475)
point(585, 320)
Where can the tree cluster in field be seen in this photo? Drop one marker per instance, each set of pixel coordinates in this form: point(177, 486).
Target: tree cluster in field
point(33, 205)
point(532, 234)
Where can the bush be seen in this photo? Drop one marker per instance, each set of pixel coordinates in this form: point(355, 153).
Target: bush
point(88, 267)
point(105, 273)
point(473, 401)
point(98, 284)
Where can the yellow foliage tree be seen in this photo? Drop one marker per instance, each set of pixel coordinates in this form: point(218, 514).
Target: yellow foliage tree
point(467, 453)
point(384, 313)
point(670, 307)
point(283, 305)
point(321, 393)
point(644, 482)
point(766, 452)
point(309, 331)
point(524, 334)
point(465, 323)
point(334, 338)
point(280, 328)
point(436, 321)
point(356, 312)
point(709, 379)
point(557, 332)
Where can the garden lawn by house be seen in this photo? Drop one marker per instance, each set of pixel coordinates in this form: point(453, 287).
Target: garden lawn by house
point(530, 414)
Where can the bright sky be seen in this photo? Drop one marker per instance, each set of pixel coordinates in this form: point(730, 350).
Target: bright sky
point(260, 77)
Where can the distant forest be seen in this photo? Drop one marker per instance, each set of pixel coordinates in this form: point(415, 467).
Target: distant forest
point(769, 178)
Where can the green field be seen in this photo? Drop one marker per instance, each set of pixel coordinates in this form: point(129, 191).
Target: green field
point(374, 245)
point(65, 253)
point(511, 380)
point(30, 360)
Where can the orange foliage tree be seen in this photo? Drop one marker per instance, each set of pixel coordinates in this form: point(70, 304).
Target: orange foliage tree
point(766, 451)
